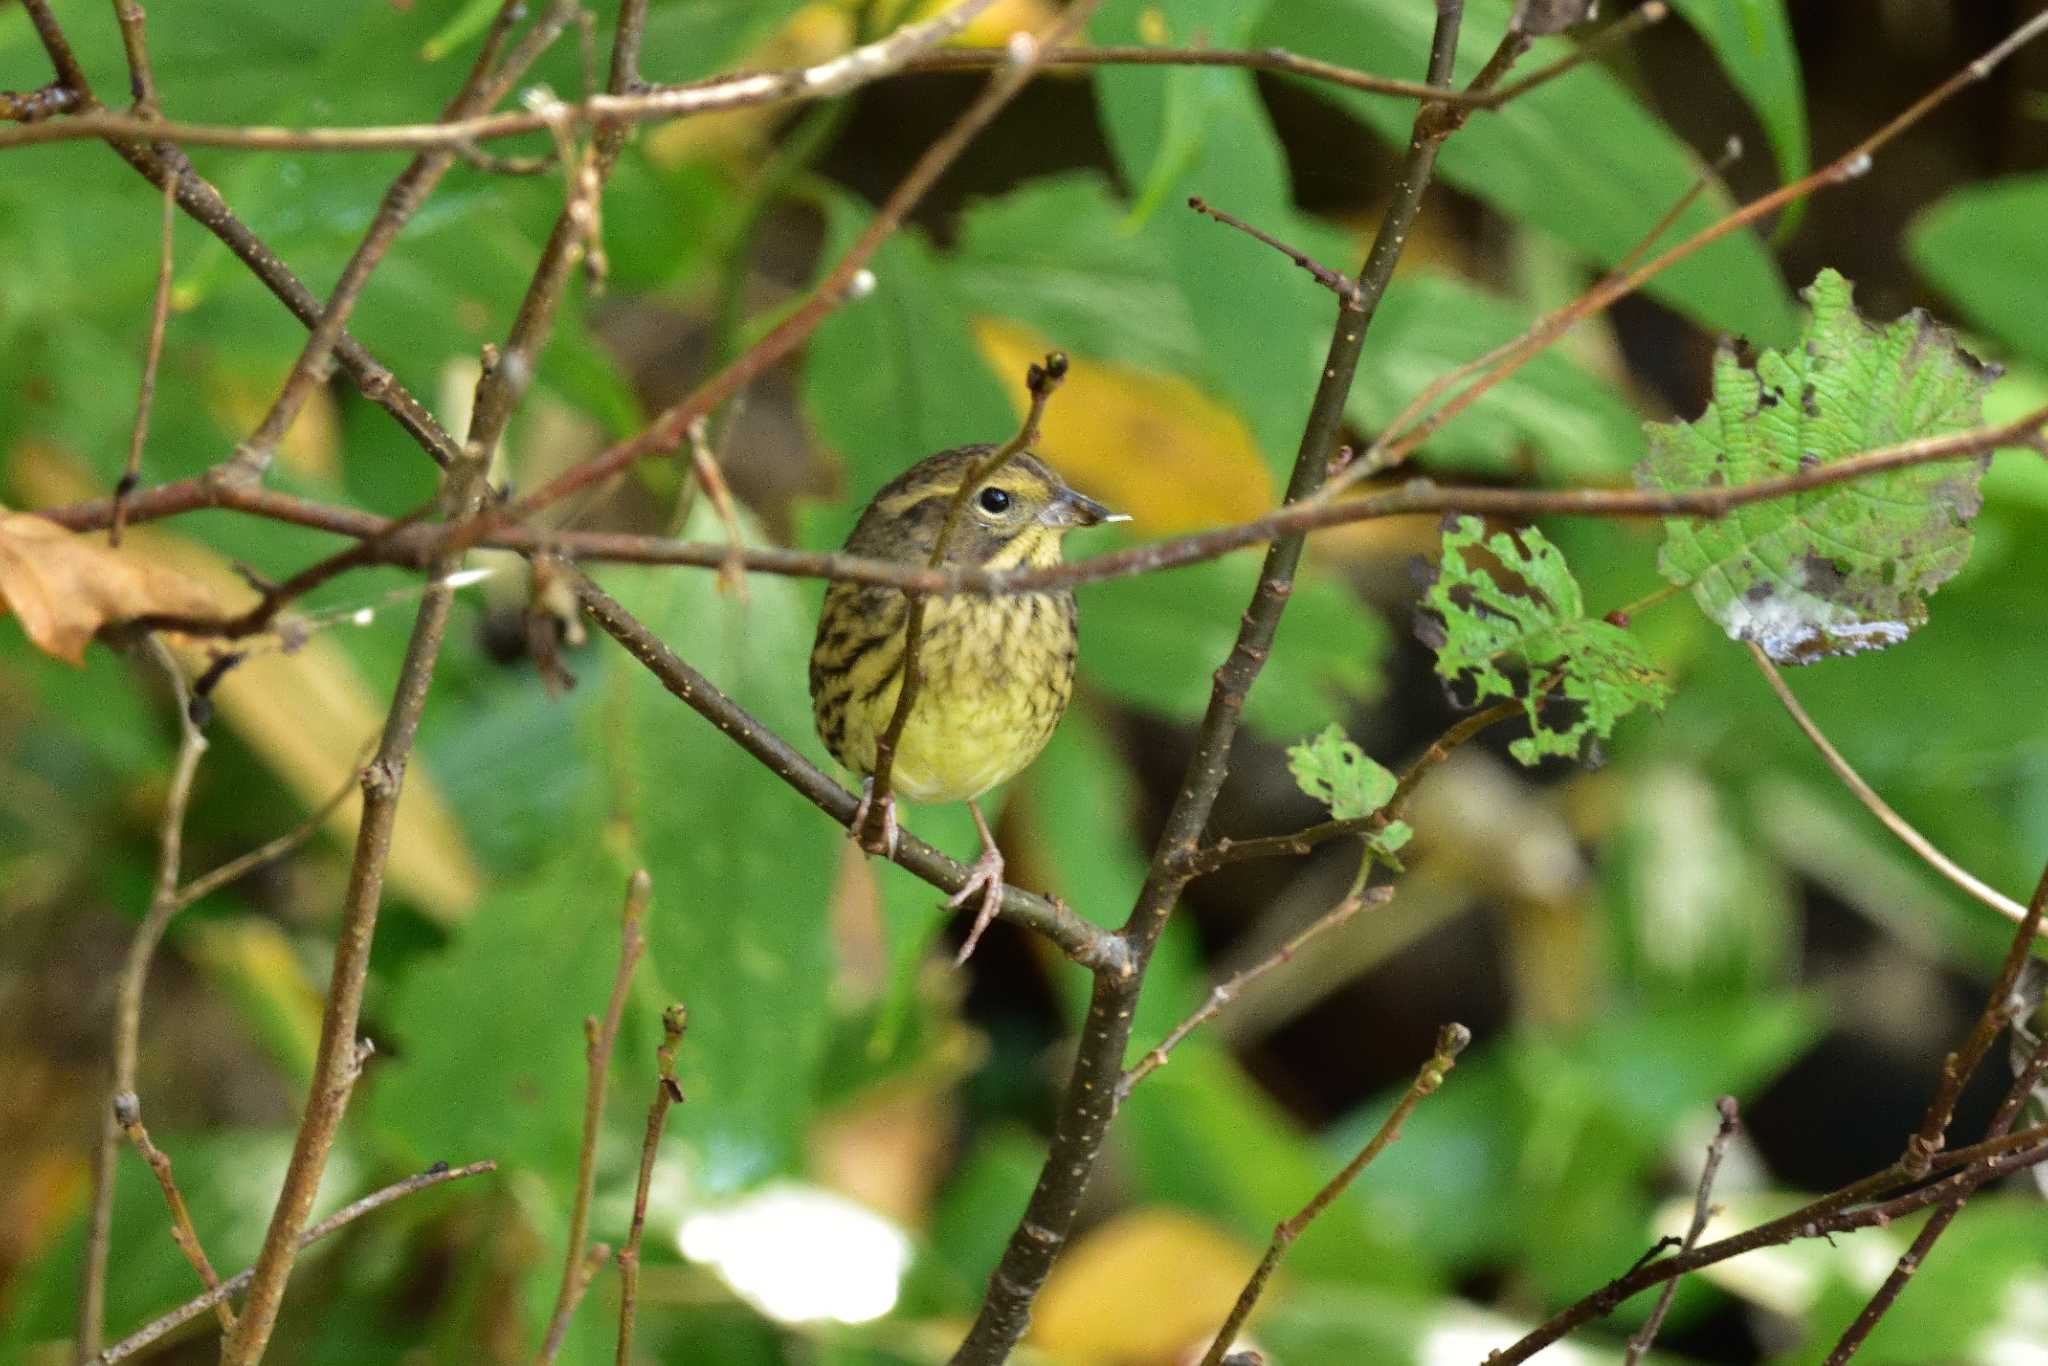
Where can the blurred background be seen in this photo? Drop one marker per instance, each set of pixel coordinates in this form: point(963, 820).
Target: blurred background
point(1704, 911)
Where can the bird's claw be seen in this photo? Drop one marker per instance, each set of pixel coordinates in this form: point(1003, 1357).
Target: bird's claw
point(986, 877)
point(857, 828)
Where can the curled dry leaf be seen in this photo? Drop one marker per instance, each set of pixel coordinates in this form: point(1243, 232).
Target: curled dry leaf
point(66, 586)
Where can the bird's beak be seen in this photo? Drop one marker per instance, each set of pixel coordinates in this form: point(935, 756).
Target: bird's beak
point(1071, 509)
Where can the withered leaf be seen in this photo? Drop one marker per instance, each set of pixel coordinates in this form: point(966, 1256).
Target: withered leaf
point(67, 586)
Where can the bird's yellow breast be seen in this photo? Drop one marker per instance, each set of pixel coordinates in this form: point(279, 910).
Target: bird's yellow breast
point(995, 674)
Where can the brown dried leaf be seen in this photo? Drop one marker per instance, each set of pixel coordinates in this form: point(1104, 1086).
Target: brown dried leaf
point(66, 586)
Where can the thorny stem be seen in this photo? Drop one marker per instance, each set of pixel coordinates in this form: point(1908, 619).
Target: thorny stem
point(163, 904)
point(1702, 1211)
point(1090, 1101)
point(1092, 947)
point(667, 1091)
point(599, 1037)
point(1040, 382)
point(1925, 848)
point(1450, 1042)
point(438, 1174)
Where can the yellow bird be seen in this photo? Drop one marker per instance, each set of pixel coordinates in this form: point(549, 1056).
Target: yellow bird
point(994, 673)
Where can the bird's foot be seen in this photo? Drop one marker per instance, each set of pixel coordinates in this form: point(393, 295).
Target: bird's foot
point(985, 878)
point(873, 842)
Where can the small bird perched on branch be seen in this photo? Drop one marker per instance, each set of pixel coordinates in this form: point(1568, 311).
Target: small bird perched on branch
point(993, 673)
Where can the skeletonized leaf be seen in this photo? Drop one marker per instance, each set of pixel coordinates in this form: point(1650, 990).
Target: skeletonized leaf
point(1845, 567)
point(1336, 772)
point(1539, 630)
point(65, 586)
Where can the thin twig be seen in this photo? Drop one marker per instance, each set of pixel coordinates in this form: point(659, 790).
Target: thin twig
point(1224, 992)
point(1925, 848)
point(1702, 1211)
point(414, 545)
point(1831, 1213)
point(488, 82)
point(141, 82)
point(670, 428)
point(335, 1064)
point(33, 106)
point(126, 1045)
point(1450, 1042)
point(750, 90)
point(1336, 281)
point(128, 1115)
point(1040, 382)
point(153, 350)
point(438, 1174)
point(1090, 1103)
point(732, 575)
point(597, 1056)
point(239, 867)
point(1089, 945)
point(667, 1091)
point(1393, 446)
point(1227, 851)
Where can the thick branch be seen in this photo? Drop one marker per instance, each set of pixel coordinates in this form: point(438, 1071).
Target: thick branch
point(1089, 945)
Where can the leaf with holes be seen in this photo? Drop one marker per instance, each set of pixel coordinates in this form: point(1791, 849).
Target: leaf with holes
point(1481, 628)
point(1337, 773)
point(1845, 567)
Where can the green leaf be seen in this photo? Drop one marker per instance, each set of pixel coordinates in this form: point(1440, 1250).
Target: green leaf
point(1579, 157)
point(1336, 772)
point(1981, 246)
point(742, 866)
point(1576, 425)
point(1262, 323)
point(1846, 567)
point(1752, 40)
point(1542, 632)
point(1054, 253)
point(1160, 117)
point(1154, 640)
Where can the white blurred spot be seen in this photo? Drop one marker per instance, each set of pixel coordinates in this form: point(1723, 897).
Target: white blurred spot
point(1021, 48)
point(1462, 1337)
point(1857, 165)
point(463, 578)
point(801, 1254)
point(862, 284)
point(362, 616)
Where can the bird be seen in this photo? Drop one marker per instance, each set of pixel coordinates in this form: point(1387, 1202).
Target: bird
point(994, 672)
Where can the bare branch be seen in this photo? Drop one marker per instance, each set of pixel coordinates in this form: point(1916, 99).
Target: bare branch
point(163, 904)
point(597, 1056)
point(153, 351)
point(667, 1091)
point(128, 1115)
point(1450, 1042)
point(1702, 1211)
point(438, 1174)
point(1941, 863)
point(1092, 947)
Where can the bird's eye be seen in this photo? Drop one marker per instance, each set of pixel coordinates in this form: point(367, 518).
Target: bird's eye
point(995, 500)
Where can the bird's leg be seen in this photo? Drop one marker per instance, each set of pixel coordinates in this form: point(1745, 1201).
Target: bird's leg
point(857, 828)
point(986, 877)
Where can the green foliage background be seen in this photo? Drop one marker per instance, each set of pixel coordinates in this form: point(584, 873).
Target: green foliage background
point(1714, 866)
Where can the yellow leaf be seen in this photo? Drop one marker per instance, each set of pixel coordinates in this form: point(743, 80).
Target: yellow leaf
point(306, 713)
point(65, 586)
point(1149, 444)
point(1183, 1272)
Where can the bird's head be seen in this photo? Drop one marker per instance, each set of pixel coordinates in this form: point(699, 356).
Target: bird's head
point(1015, 517)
